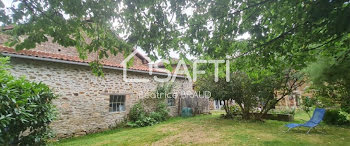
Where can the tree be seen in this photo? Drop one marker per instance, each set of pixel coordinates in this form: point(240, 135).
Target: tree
point(247, 97)
point(25, 109)
point(238, 89)
point(273, 81)
point(208, 27)
point(276, 87)
point(253, 87)
point(330, 78)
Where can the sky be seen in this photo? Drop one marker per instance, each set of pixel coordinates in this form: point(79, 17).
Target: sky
point(8, 3)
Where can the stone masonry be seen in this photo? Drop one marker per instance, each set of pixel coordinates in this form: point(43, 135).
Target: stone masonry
point(83, 99)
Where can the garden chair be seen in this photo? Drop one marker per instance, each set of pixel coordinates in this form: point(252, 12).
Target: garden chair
point(313, 122)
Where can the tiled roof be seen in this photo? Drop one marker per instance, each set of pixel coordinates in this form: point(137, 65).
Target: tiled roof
point(42, 54)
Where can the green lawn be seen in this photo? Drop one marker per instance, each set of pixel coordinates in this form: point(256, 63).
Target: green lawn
point(210, 129)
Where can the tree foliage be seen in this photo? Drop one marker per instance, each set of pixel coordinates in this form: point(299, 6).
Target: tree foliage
point(294, 29)
point(330, 78)
point(25, 109)
point(252, 90)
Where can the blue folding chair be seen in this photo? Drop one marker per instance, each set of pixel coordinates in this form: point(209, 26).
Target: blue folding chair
point(313, 122)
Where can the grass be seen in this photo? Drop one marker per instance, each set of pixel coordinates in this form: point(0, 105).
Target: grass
point(212, 130)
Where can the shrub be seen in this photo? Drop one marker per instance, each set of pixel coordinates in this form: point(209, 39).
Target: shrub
point(139, 118)
point(136, 112)
point(145, 121)
point(163, 111)
point(290, 111)
point(336, 117)
point(25, 109)
point(235, 109)
point(307, 104)
point(156, 116)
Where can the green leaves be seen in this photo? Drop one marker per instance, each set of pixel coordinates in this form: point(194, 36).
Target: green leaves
point(159, 26)
point(23, 105)
point(138, 117)
point(96, 68)
point(288, 32)
point(307, 104)
point(329, 74)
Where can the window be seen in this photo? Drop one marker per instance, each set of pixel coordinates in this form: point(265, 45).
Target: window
point(116, 103)
point(171, 101)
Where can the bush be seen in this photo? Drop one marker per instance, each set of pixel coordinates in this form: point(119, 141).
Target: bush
point(307, 104)
point(156, 116)
point(336, 117)
point(25, 109)
point(290, 111)
point(163, 111)
point(139, 118)
point(235, 109)
point(136, 112)
point(145, 121)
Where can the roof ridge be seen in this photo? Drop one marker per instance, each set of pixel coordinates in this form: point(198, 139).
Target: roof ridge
point(72, 58)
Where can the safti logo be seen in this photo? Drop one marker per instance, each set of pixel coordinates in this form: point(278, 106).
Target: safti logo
point(181, 64)
point(124, 64)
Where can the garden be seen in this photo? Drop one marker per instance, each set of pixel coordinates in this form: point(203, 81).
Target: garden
point(255, 53)
point(214, 130)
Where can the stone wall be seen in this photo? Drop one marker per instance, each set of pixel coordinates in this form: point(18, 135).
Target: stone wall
point(296, 98)
point(83, 101)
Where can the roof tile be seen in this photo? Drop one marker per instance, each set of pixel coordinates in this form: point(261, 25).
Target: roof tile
point(41, 54)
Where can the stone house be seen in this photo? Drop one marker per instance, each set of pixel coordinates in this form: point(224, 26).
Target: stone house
point(291, 101)
point(87, 103)
point(296, 98)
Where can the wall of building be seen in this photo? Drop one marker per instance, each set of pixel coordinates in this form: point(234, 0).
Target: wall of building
point(83, 99)
point(295, 99)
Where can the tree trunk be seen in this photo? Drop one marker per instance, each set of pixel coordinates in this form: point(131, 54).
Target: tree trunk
point(267, 108)
point(246, 115)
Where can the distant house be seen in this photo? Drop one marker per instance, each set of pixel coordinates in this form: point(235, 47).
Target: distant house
point(295, 99)
point(87, 103)
point(291, 101)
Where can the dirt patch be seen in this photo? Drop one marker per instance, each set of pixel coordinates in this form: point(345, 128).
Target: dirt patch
point(189, 133)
